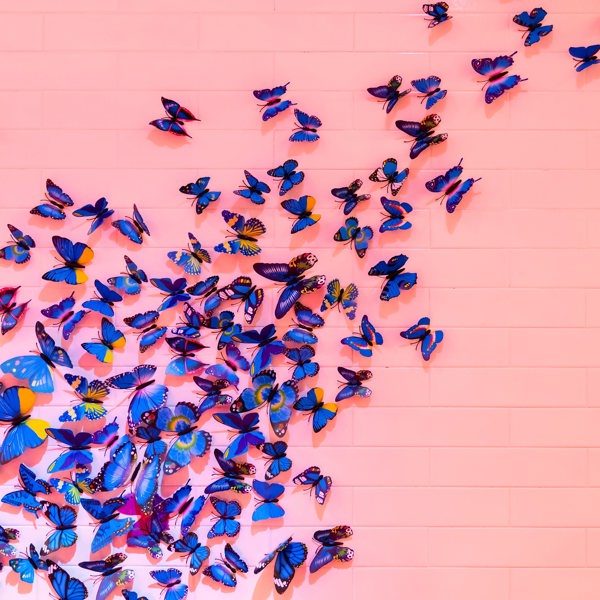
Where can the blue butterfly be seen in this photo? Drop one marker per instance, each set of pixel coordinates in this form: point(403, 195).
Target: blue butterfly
point(111, 574)
point(232, 476)
point(495, 70)
point(68, 319)
point(321, 484)
point(195, 552)
point(191, 259)
point(130, 595)
point(26, 567)
point(307, 321)
point(279, 398)
point(148, 479)
point(110, 339)
point(287, 175)
point(585, 56)
point(233, 361)
point(202, 195)
point(27, 495)
point(388, 173)
point(288, 557)
point(226, 514)
point(367, 338)
point(10, 310)
point(396, 278)
point(302, 210)
point(302, 359)
point(390, 93)
point(150, 332)
point(184, 362)
point(423, 134)
point(267, 346)
point(277, 460)
point(438, 13)
point(8, 534)
point(110, 523)
point(225, 570)
point(268, 507)
point(65, 586)
point(147, 395)
point(351, 233)
point(132, 228)
point(149, 532)
point(292, 276)
point(242, 290)
point(273, 104)
point(212, 393)
point(73, 488)
point(173, 291)
point(19, 250)
point(247, 433)
point(396, 215)
point(62, 518)
point(353, 384)
point(306, 128)
point(534, 31)
point(75, 256)
point(104, 301)
point(319, 412)
point(347, 196)
point(206, 289)
point(425, 336)
point(90, 395)
point(56, 202)
point(330, 547)
point(98, 211)
point(131, 281)
point(116, 472)
point(170, 580)
point(253, 189)
point(176, 119)
point(342, 297)
point(452, 188)
point(245, 233)
point(224, 324)
point(430, 88)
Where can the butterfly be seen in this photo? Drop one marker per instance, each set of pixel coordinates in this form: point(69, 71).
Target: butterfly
point(147, 394)
point(104, 301)
point(148, 479)
point(116, 472)
point(205, 289)
point(72, 489)
point(425, 336)
point(319, 412)
point(253, 189)
point(585, 56)
point(232, 476)
point(225, 570)
point(277, 460)
point(131, 281)
point(134, 227)
point(112, 575)
point(351, 233)
point(430, 88)
point(75, 257)
point(202, 195)
point(268, 507)
point(7, 535)
point(292, 276)
point(19, 250)
point(279, 398)
point(331, 547)
point(287, 175)
point(170, 580)
point(233, 361)
point(184, 362)
point(302, 210)
point(353, 384)
point(56, 202)
point(288, 557)
point(341, 297)
point(175, 122)
point(388, 173)
point(496, 73)
point(26, 567)
point(110, 339)
point(24, 432)
point(10, 310)
point(396, 278)
point(150, 331)
point(267, 346)
point(37, 368)
point(226, 514)
point(27, 495)
point(396, 215)
point(347, 196)
point(246, 233)
point(241, 289)
point(149, 532)
point(62, 518)
point(302, 359)
point(90, 395)
point(191, 514)
point(65, 586)
point(224, 324)
point(321, 484)
point(195, 552)
point(191, 259)
point(453, 189)
point(98, 211)
point(247, 433)
point(189, 441)
point(533, 23)
point(365, 340)
point(306, 128)
point(173, 291)
point(68, 318)
point(212, 393)
point(306, 321)
point(110, 523)
point(438, 13)
point(389, 93)
point(273, 104)
point(423, 132)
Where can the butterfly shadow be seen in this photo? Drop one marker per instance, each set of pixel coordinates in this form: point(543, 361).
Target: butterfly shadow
point(90, 364)
point(263, 590)
point(10, 471)
point(212, 584)
point(298, 149)
point(35, 221)
point(491, 109)
point(165, 139)
point(122, 241)
point(305, 238)
point(591, 74)
point(266, 525)
point(439, 31)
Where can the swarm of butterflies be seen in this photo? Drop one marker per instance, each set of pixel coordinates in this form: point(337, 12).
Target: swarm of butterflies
point(121, 494)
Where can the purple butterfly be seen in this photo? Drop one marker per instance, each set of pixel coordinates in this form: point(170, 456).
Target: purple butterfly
point(176, 119)
point(273, 104)
point(495, 70)
point(306, 130)
point(453, 189)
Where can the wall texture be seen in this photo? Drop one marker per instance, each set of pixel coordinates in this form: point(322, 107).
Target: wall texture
point(477, 475)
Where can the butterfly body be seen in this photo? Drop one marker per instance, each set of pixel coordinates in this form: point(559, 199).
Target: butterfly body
point(20, 245)
point(427, 338)
point(307, 126)
point(56, 202)
point(273, 103)
point(585, 56)
point(495, 70)
point(178, 115)
point(389, 94)
point(423, 133)
point(397, 278)
point(532, 21)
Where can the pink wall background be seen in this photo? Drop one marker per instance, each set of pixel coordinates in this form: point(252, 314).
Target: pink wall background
point(477, 475)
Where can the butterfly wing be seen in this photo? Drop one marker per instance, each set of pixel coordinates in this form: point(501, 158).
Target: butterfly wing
point(286, 563)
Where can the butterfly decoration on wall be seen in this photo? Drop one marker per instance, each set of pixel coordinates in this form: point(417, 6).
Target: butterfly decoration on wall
point(277, 460)
point(30, 487)
point(438, 13)
point(366, 339)
point(111, 523)
point(320, 484)
point(353, 384)
point(226, 513)
point(532, 21)
point(74, 487)
point(211, 393)
point(287, 175)
point(246, 431)
point(306, 322)
point(356, 236)
point(423, 133)
point(347, 196)
point(11, 311)
point(343, 298)
point(65, 587)
point(68, 318)
point(453, 189)
point(75, 258)
point(170, 581)
point(242, 291)
point(253, 189)
point(104, 301)
point(397, 278)
point(495, 70)
point(390, 93)
point(273, 103)
point(192, 548)
point(388, 173)
point(110, 573)
point(245, 233)
point(173, 291)
point(63, 520)
point(19, 247)
point(190, 259)
point(426, 337)
point(177, 117)
point(225, 571)
point(132, 227)
point(585, 56)
point(395, 219)
point(97, 213)
point(233, 361)
point(267, 346)
point(55, 203)
point(331, 547)
point(319, 411)
point(288, 557)
point(131, 281)
point(231, 475)
point(302, 364)
point(430, 90)
point(268, 497)
point(306, 128)
point(28, 566)
point(203, 196)
point(301, 209)
point(149, 332)
point(90, 397)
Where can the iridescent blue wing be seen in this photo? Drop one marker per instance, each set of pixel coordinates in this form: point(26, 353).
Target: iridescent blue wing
point(288, 560)
point(454, 198)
